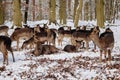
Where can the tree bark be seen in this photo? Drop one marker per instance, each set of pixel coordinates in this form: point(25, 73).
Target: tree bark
point(100, 13)
point(86, 10)
point(75, 8)
point(78, 13)
point(17, 15)
point(52, 12)
point(2, 16)
point(62, 12)
point(26, 12)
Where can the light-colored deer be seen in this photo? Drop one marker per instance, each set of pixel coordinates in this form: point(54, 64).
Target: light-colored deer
point(23, 33)
point(105, 42)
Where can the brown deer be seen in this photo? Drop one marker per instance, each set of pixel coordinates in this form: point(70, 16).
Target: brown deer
point(83, 35)
point(29, 42)
point(23, 33)
point(45, 35)
point(4, 29)
point(44, 49)
point(105, 42)
point(62, 33)
point(5, 44)
point(72, 48)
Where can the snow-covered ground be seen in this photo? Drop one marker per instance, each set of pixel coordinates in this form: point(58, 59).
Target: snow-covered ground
point(82, 65)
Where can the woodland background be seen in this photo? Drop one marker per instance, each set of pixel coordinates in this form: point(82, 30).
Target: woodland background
point(21, 11)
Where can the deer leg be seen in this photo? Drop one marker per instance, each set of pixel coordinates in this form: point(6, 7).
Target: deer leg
point(109, 55)
point(94, 46)
point(18, 45)
point(105, 52)
point(101, 56)
point(3, 58)
point(87, 45)
point(12, 54)
point(6, 57)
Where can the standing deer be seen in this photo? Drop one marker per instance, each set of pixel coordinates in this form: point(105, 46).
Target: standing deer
point(24, 33)
point(105, 42)
point(5, 44)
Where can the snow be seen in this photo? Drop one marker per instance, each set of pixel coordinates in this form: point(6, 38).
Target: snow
point(62, 65)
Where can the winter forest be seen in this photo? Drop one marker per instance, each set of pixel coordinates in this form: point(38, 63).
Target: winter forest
point(59, 39)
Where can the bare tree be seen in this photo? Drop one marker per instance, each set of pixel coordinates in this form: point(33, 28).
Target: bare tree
point(26, 12)
point(75, 8)
point(17, 15)
point(52, 12)
point(2, 16)
point(100, 12)
point(78, 13)
point(62, 11)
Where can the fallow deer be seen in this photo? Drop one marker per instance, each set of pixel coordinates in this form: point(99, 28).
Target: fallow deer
point(72, 48)
point(5, 44)
point(64, 33)
point(4, 29)
point(81, 35)
point(44, 49)
point(105, 42)
point(45, 35)
point(23, 33)
point(29, 42)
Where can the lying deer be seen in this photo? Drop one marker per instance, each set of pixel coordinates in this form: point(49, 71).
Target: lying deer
point(23, 33)
point(5, 44)
point(72, 48)
point(4, 29)
point(105, 42)
point(44, 49)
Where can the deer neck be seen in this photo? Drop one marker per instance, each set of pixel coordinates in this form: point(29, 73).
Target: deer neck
point(97, 41)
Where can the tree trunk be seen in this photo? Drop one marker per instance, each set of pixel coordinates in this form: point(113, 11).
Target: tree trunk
point(2, 16)
point(62, 11)
point(39, 17)
point(100, 12)
point(33, 10)
point(17, 15)
point(78, 13)
point(86, 10)
point(26, 12)
point(75, 8)
point(90, 10)
point(69, 9)
point(52, 12)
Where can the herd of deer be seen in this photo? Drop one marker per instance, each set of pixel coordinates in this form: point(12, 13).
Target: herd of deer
point(43, 40)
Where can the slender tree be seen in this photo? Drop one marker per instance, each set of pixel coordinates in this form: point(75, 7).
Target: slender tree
point(75, 8)
point(52, 12)
point(33, 10)
point(86, 11)
point(109, 10)
point(2, 16)
point(69, 8)
point(26, 12)
point(78, 13)
point(17, 15)
point(62, 11)
point(90, 10)
point(39, 17)
point(100, 12)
